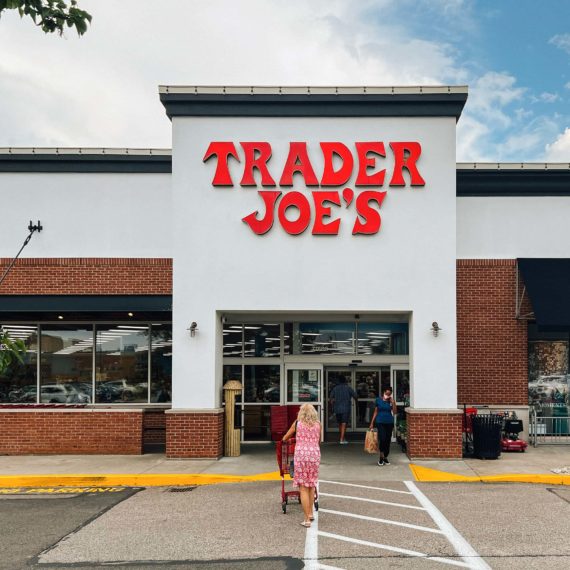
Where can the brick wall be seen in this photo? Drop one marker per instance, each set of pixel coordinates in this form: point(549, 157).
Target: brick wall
point(194, 434)
point(492, 350)
point(434, 435)
point(59, 431)
point(87, 276)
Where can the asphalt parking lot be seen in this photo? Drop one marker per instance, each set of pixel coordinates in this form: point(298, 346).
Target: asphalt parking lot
point(360, 525)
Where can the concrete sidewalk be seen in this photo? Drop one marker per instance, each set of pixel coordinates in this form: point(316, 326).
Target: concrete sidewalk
point(339, 463)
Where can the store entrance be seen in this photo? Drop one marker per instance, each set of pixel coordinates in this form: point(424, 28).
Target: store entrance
point(368, 383)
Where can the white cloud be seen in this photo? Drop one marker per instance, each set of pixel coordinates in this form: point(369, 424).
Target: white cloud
point(522, 114)
point(567, 85)
point(559, 150)
point(101, 89)
point(490, 94)
point(485, 114)
point(545, 97)
point(561, 41)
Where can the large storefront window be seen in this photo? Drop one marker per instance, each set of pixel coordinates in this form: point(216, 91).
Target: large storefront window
point(121, 372)
point(252, 340)
point(18, 382)
point(124, 366)
point(346, 338)
point(286, 363)
point(549, 380)
point(66, 364)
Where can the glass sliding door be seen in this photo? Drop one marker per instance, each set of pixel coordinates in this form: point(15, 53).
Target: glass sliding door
point(335, 377)
point(367, 383)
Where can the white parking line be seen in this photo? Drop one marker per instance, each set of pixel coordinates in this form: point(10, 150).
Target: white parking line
point(311, 557)
point(413, 553)
point(372, 501)
point(383, 521)
point(462, 547)
point(367, 487)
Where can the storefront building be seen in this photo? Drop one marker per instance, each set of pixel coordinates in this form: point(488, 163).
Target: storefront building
point(291, 239)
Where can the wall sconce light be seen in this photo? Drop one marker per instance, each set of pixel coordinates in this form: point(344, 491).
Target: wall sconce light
point(193, 328)
point(435, 328)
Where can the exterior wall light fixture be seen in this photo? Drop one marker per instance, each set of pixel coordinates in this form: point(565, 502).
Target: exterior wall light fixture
point(435, 328)
point(193, 328)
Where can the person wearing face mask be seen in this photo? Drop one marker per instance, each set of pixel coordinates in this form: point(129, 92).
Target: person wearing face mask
point(383, 416)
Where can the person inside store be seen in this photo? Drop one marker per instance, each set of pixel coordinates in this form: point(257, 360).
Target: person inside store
point(383, 416)
point(307, 457)
point(362, 390)
point(340, 399)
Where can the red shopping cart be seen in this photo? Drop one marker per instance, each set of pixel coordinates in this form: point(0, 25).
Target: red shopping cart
point(285, 453)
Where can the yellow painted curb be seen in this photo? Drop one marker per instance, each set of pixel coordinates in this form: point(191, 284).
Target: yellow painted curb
point(426, 474)
point(131, 480)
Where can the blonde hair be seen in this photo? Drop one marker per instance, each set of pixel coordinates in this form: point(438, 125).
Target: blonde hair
point(308, 415)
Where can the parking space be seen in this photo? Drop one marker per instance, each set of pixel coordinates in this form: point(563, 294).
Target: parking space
point(360, 523)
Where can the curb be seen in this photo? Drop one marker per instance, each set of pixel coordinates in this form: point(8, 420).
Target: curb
point(130, 480)
point(428, 475)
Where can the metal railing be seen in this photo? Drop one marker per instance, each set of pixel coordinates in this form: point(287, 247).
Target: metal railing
point(549, 424)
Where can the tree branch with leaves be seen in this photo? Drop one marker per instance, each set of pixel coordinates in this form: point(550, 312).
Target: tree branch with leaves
point(50, 15)
point(12, 350)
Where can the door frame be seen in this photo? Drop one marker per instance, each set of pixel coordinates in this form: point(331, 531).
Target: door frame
point(393, 369)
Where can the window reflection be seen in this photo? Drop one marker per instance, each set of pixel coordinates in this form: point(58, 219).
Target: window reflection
point(232, 372)
point(262, 383)
point(18, 382)
point(303, 386)
point(161, 364)
point(66, 364)
point(121, 373)
point(382, 338)
point(262, 340)
point(548, 370)
point(320, 338)
point(233, 340)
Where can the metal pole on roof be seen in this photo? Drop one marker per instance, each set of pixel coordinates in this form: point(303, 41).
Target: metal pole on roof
point(32, 228)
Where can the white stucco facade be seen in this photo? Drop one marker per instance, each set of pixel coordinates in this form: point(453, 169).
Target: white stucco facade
point(91, 214)
point(502, 227)
point(221, 266)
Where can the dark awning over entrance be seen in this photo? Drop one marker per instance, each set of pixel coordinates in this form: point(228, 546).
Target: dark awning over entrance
point(79, 307)
point(548, 285)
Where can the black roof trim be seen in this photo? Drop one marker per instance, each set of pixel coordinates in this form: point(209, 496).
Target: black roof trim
point(510, 182)
point(83, 162)
point(85, 303)
point(314, 105)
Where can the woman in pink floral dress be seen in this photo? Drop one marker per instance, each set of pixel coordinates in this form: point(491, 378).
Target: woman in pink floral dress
point(307, 458)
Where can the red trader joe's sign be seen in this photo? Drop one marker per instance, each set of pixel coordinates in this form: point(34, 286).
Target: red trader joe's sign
point(339, 165)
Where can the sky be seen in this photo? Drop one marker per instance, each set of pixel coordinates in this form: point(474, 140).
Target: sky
point(100, 90)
